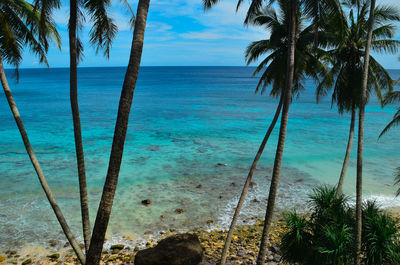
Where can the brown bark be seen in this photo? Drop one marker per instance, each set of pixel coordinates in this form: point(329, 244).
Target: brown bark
point(37, 167)
point(247, 183)
point(80, 157)
point(363, 100)
point(348, 151)
point(292, 6)
point(104, 211)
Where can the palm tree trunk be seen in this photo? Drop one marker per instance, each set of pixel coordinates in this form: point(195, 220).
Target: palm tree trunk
point(247, 183)
point(361, 136)
point(292, 6)
point(73, 84)
point(348, 151)
point(36, 165)
point(104, 211)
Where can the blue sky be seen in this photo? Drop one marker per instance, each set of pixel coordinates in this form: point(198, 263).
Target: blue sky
point(179, 33)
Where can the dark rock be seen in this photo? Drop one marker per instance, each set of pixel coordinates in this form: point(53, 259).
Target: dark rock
point(233, 184)
point(274, 248)
point(255, 200)
point(221, 165)
point(161, 216)
point(81, 245)
point(52, 243)
point(117, 246)
point(210, 221)
point(241, 253)
point(179, 210)
point(67, 244)
point(299, 180)
point(252, 184)
point(199, 186)
point(181, 249)
point(54, 256)
point(146, 202)
point(220, 196)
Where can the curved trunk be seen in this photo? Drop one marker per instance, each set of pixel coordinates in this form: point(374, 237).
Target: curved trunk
point(292, 6)
point(104, 211)
point(73, 84)
point(348, 151)
point(363, 101)
point(247, 183)
point(38, 169)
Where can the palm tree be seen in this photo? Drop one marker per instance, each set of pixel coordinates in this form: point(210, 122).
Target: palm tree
point(292, 6)
point(121, 127)
point(306, 64)
point(361, 113)
point(22, 25)
point(102, 34)
point(345, 56)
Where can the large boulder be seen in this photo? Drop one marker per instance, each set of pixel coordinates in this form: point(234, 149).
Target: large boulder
point(181, 249)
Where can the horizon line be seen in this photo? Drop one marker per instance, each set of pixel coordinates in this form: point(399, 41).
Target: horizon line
point(67, 67)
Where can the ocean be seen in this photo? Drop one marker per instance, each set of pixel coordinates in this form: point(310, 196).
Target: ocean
point(184, 121)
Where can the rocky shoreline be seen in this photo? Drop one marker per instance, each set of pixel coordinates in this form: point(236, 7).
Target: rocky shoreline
point(244, 248)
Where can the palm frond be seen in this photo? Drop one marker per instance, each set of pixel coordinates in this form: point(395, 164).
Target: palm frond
point(393, 123)
point(104, 29)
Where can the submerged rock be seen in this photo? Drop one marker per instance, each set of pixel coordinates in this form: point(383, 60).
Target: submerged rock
point(199, 186)
point(221, 165)
point(181, 249)
point(201, 150)
point(146, 202)
point(179, 210)
point(153, 147)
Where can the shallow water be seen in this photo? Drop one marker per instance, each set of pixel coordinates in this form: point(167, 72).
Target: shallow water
point(184, 121)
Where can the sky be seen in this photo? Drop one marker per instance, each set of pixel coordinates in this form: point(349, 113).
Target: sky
point(178, 33)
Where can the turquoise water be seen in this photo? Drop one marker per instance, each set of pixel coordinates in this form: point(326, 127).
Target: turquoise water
point(184, 121)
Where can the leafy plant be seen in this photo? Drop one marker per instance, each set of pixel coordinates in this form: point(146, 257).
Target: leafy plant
point(326, 235)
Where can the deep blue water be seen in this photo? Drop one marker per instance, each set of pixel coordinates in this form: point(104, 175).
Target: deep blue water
point(184, 121)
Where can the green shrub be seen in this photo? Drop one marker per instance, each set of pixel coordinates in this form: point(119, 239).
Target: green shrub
point(327, 235)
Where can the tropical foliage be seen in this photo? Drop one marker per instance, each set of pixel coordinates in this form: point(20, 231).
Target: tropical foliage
point(21, 26)
point(307, 62)
point(326, 234)
point(345, 53)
